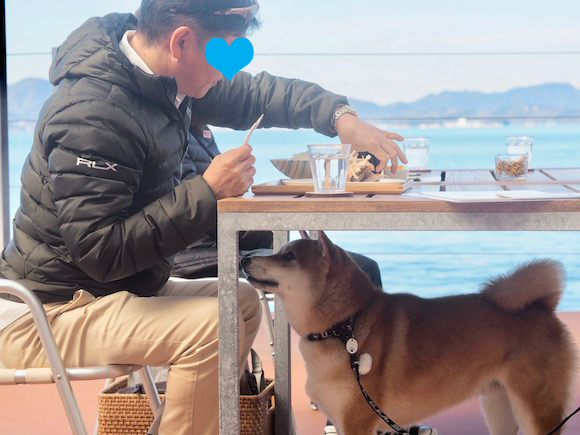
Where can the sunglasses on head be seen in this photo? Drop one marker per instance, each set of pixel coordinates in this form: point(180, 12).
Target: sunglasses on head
point(248, 12)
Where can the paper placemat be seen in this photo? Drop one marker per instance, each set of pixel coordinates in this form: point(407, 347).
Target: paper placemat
point(495, 196)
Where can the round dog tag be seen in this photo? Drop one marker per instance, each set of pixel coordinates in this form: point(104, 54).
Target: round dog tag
point(351, 346)
point(365, 362)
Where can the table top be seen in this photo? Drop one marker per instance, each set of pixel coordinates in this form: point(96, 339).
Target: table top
point(555, 180)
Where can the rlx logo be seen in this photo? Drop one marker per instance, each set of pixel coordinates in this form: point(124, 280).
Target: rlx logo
point(93, 165)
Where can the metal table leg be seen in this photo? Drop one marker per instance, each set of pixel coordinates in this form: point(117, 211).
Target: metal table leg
point(282, 357)
point(229, 328)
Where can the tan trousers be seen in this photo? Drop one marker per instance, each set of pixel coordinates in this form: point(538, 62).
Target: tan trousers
point(178, 328)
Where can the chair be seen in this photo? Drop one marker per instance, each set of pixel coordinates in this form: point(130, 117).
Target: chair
point(265, 299)
point(57, 373)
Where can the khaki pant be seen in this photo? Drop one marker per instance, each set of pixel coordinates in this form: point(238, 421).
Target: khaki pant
point(178, 328)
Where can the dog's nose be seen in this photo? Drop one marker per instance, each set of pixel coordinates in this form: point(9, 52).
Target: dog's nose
point(245, 261)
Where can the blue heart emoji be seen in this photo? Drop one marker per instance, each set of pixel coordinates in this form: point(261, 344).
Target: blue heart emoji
point(229, 59)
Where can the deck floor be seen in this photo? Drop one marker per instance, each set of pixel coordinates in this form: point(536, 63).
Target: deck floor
point(36, 409)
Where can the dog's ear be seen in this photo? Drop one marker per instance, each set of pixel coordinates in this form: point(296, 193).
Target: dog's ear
point(304, 234)
point(326, 246)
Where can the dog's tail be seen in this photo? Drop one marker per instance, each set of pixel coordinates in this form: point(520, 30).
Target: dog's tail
point(538, 281)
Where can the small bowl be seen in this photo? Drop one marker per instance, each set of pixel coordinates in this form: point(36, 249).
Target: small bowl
point(293, 168)
point(511, 166)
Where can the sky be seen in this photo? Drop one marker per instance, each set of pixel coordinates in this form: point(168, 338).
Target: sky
point(326, 27)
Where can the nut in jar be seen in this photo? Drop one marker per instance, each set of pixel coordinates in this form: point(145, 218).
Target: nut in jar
point(511, 166)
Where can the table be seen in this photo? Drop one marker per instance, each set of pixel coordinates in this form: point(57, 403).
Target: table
point(282, 213)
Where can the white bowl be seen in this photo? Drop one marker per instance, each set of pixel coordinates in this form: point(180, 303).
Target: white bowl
point(293, 168)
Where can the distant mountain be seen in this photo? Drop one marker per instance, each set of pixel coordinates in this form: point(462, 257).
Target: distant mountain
point(551, 99)
point(26, 97)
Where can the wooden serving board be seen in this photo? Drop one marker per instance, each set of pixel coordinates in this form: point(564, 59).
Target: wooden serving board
point(299, 187)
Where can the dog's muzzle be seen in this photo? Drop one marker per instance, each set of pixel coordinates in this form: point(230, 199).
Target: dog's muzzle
point(245, 262)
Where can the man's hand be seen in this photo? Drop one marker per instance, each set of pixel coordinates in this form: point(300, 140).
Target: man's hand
point(365, 137)
point(231, 173)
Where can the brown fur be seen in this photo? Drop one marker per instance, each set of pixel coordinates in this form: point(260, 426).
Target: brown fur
point(504, 343)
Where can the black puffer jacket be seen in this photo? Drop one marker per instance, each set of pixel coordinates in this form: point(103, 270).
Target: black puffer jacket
point(99, 206)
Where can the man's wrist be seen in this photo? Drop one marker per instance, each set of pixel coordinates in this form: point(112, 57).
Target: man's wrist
point(341, 109)
point(345, 121)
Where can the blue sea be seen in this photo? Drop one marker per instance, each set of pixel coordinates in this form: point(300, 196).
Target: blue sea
point(424, 263)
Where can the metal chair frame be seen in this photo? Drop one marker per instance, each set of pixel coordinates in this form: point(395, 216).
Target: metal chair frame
point(57, 373)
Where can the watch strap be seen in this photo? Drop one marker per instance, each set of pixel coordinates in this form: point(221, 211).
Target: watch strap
point(341, 109)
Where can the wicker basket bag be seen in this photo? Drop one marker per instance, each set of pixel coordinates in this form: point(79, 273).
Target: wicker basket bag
point(130, 414)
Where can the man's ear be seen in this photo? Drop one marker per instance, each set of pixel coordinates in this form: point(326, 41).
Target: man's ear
point(179, 41)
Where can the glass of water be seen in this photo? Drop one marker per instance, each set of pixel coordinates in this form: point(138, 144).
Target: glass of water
point(417, 151)
point(520, 145)
point(329, 165)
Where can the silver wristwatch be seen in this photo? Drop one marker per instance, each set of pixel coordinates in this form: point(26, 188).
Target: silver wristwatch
point(341, 109)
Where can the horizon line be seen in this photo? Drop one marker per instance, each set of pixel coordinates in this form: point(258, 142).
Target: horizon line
point(383, 105)
point(430, 118)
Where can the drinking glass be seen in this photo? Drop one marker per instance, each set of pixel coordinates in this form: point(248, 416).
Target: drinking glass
point(520, 145)
point(329, 165)
point(417, 151)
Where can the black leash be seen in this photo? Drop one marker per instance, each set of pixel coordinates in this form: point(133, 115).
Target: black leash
point(344, 331)
point(354, 366)
point(563, 422)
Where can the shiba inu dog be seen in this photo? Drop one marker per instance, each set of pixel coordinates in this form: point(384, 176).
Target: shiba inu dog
point(421, 356)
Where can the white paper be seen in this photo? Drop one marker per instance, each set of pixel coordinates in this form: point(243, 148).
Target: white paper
point(495, 195)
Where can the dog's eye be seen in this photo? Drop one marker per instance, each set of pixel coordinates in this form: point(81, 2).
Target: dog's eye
point(289, 256)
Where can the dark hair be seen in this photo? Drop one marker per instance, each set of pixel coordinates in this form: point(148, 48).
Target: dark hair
point(158, 18)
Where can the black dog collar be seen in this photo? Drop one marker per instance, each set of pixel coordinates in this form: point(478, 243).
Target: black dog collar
point(343, 330)
point(340, 330)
